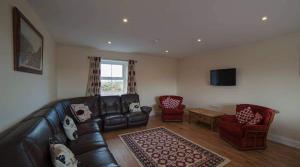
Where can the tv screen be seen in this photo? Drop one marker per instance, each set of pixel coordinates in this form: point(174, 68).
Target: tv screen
point(223, 77)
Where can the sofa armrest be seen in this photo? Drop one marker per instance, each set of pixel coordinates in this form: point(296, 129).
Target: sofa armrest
point(229, 118)
point(146, 109)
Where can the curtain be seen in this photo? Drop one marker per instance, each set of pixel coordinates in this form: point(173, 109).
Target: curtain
point(94, 81)
point(131, 88)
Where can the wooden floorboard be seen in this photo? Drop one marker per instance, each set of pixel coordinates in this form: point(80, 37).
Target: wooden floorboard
point(275, 155)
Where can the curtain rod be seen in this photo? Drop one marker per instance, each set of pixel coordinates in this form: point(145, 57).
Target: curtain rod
point(113, 59)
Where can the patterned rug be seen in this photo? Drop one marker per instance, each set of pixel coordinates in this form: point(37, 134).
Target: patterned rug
point(160, 147)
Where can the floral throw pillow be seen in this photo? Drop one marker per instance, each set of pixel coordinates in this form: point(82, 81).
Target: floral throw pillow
point(81, 112)
point(244, 115)
point(256, 120)
point(70, 128)
point(62, 156)
point(134, 107)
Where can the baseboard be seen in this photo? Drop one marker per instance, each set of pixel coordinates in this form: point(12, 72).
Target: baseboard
point(284, 140)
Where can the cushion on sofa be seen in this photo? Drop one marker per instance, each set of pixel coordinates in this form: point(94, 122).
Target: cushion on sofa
point(70, 128)
point(81, 112)
point(234, 129)
point(134, 107)
point(115, 119)
point(136, 116)
point(244, 115)
point(88, 127)
point(87, 143)
point(110, 105)
point(100, 157)
point(256, 120)
point(62, 156)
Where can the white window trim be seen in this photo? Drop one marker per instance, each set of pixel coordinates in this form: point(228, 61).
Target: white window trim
point(124, 64)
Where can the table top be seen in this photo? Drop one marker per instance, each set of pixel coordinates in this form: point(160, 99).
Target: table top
point(206, 112)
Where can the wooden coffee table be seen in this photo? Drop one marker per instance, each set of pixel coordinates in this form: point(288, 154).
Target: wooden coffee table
point(206, 116)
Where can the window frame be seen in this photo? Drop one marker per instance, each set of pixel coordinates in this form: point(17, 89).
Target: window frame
point(124, 64)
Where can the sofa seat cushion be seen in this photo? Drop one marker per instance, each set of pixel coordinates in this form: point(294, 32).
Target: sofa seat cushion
point(235, 129)
point(115, 119)
point(87, 127)
point(173, 111)
point(87, 143)
point(136, 116)
point(100, 157)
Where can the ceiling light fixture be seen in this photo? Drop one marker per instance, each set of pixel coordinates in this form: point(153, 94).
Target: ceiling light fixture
point(125, 20)
point(109, 42)
point(199, 40)
point(166, 51)
point(264, 18)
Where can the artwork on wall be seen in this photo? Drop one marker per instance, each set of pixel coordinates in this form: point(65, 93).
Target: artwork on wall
point(28, 45)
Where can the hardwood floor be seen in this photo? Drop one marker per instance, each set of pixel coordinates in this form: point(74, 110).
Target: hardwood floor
point(275, 155)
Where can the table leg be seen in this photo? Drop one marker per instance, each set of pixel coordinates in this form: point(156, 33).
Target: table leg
point(211, 124)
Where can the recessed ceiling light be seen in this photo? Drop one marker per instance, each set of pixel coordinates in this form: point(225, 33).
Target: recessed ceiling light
point(109, 42)
point(264, 18)
point(199, 40)
point(125, 20)
point(166, 51)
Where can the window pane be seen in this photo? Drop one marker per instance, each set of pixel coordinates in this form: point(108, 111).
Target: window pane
point(117, 71)
point(112, 87)
point(105, 70)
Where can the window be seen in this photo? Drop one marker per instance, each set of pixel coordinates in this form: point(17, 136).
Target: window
point(113, 77)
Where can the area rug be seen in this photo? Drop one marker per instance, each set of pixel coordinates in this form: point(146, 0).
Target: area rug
point(160, 147)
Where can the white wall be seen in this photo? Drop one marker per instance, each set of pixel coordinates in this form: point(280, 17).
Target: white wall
point(155, 75)
point(22, 93)
point(268, 74)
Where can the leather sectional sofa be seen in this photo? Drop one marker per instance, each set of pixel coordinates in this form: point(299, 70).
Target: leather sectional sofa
point(27, 143)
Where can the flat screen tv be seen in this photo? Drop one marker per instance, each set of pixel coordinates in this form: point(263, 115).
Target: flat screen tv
point(223, 77)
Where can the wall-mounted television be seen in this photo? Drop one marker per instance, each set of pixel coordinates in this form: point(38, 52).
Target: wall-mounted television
point(223, 77)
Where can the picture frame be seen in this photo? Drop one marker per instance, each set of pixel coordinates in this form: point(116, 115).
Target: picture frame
point(28, 45)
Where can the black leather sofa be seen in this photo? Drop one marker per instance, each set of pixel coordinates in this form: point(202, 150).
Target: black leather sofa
point(27, 143)
point(115, 112)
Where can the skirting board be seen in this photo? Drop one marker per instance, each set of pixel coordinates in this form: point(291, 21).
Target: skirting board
point(284, 140)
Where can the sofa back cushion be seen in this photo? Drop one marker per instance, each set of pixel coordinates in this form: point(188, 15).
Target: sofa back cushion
point(127, 99)
point(27, 145)
point(110, 105)
point(61, 108)
point(55, 124)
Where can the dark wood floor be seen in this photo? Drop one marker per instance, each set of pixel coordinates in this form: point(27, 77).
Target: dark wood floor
point(275, 155)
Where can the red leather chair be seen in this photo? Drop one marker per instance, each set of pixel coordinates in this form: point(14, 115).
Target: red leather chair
point(172, 108)
point(243, 136)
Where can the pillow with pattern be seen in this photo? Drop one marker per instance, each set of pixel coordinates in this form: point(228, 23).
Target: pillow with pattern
point(135, 107)
point(81, 112)
point(256, 120)
point(62, 156)
point(244, 115)
point(70, 128)
point(170, 103)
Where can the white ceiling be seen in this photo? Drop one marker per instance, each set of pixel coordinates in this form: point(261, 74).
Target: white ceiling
point(176, 23)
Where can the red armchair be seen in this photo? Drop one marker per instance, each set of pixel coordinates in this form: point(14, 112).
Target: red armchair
point(243, 136)
point(172, 108)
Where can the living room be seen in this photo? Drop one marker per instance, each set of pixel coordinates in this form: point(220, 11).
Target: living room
point(157, 49)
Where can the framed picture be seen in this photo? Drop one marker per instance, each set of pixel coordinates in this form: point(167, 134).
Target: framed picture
point(28, 45)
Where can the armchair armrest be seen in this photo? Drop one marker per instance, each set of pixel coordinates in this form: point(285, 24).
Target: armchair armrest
point(181, 107)
point(255, 131)
point(229, 118)
point(146, 109)
point(256, 128)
